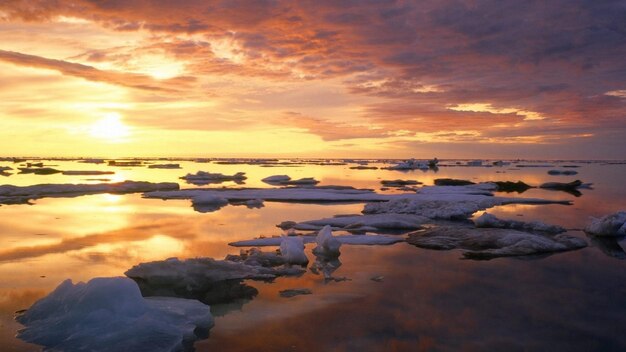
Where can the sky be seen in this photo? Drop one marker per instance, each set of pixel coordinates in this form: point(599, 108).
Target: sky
point(271, 78)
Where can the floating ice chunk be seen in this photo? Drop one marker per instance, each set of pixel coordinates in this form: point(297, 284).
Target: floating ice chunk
point(256, 257)
point(276, 179)
point(561, 185)
point(305, 181)
point(344, 239)
point(489, 220)
point(609, 225)
point(327, 245)
point(206, 279)
point(313, 194)
point(363, 167)
point(203, 177)
point(474, 163)
point(444, 202)
point(481, 243)
point(206, 203)
point(92, 161)
point(38, 170)
point(562, 172)
point(375, 221)
point(15, 194)
point(399, 183)
point(292, 250)
point(254, 203)
point(294, 292)
point(410, 164)
point(87, 172)
point(452, 182)
point(129, 163)
point(109, 314)
point(164, 166)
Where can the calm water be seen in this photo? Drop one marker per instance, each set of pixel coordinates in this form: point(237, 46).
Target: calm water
point(428, 300)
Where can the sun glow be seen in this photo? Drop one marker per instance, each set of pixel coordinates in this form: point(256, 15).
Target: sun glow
point(110, 128)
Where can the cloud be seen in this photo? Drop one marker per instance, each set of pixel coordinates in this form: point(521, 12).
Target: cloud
point(560, 61)
point(130, 80)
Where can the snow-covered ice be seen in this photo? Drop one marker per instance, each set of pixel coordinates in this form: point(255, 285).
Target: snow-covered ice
point(164, 166)
point(86, 172)
point(327, 245)
point(609, 225)
point(490, 220)
point(109, 314)
point(368, 221)
point(17, 194)
point(206, 279)
point(343, 239)
point(292, 250)
point(203, 177)
point(487, 243)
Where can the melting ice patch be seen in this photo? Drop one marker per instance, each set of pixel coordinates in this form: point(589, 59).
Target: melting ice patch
point(609, 225)
point(109, 314)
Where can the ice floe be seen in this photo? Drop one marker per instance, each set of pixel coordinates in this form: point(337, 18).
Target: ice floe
point(86, 172)
point(327, 245)
point(399, 183)
point(435, 202)
point(164, 166)
point(206, 203)
point(292, 250)
point(367, 221)
point(609, 225)
point(205, 279)
point(292, 292)
point(109, 314)
point(562, 172)
point(343, 239)
point(38, 170)
point(452, 182)
point(490, 220)
point(488, 243)
point(449, 202)
point(410, 164)
point(276, 179)
point(10, 194)
point(203, 178)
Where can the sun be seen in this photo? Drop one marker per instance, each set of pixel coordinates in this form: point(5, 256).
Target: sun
point(110, 128)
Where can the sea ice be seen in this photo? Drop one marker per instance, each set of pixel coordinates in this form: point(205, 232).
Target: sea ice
point(327, 245)
point(86, 173)
point(164, 166)
point(488, 243)
point(373, 221)
point(206, 203)
point(10, 194)
point(38, 170)
point(109, 314)
point(343, 239)
point(410, 164)
point(292, 250)
point(609, 225)
point(399, 183)
point(206, 279)
point(562, 172)
point(489, 220)
point(203, 177)
point(294, 292)
point(276, 179)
